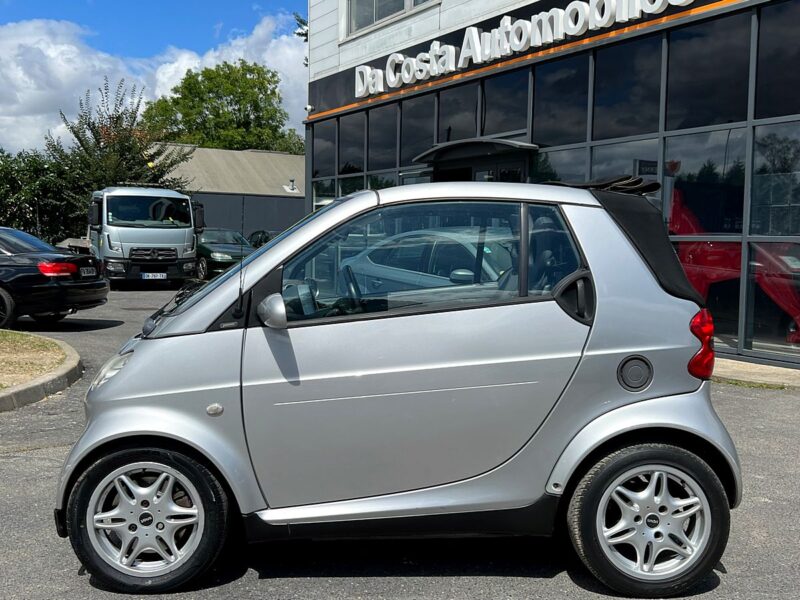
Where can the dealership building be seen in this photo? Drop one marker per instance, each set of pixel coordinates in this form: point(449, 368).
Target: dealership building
point(702, 96)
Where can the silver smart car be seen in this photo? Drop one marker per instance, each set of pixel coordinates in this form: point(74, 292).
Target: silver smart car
point(441, 358)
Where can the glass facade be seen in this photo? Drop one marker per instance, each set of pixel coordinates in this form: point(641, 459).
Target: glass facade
point(709, 109)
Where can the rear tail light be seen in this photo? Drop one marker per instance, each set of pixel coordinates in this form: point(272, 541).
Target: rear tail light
point(57, 269)
point(702, 327)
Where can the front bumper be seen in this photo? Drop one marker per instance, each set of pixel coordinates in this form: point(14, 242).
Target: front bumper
point(130, 270)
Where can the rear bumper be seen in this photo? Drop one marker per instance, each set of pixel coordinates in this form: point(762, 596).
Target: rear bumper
point(62, 296)
point(124, 269)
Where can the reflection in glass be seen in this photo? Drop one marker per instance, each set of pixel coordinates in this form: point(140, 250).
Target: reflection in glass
point(415, 178)
point(362, 14)
point(627, 82)
point(638, 158)
point(775, 204)
point(324, 148)
point(458, 111)
point(777, 74)
point(382, 147)
point(773, 297)
point(348, 185)
point(383, 180)
point(351, 144)
point(561, 165)
point(714, 269)
point(505, 102)
point(708, 72)
point(560, 100)
point(416, 134)
point(704, 182)
point(384, 8)
point(324, 192)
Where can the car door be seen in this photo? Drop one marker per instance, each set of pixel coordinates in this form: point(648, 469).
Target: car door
point(418, 388)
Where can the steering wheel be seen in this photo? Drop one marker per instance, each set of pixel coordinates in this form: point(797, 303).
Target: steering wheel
point(351, 284)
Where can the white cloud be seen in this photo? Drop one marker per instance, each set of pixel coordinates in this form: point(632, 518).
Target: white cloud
point(47, 66)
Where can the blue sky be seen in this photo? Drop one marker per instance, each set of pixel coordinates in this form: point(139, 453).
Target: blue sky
point(53, 51)
point(139, 28)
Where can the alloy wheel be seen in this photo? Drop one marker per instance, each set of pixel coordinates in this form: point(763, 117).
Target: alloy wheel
point(653, 522)
point(145, 519)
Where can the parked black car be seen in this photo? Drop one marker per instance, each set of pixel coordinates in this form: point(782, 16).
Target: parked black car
point(44, 282)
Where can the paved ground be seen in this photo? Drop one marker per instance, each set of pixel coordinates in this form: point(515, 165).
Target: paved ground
point(761, 561)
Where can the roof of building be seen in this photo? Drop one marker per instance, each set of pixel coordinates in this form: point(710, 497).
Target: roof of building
point(256, 172)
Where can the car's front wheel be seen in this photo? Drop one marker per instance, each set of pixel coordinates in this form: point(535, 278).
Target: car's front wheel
point(649, 520)
point(147, 520)
point(202, 269)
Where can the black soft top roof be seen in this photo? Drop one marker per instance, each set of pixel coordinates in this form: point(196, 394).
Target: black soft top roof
point(643, 224)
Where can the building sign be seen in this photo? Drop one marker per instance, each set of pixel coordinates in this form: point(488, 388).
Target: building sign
point(509, 38)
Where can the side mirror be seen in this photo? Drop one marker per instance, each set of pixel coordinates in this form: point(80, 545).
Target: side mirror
point(94, 215)
point(272, 312)
point(462, 276)
point(199, 217)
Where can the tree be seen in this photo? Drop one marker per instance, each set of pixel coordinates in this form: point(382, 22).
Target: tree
point(231, 106)
point(47, 193)
point(301, 31)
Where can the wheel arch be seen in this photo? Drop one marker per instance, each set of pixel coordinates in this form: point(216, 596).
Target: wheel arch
point(132, 442)
point(673, 436)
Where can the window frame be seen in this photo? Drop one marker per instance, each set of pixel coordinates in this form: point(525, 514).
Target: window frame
point(273, 281)
point(408, 8)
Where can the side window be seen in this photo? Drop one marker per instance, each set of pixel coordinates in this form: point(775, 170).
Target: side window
point(409, 257)
point(552, 251)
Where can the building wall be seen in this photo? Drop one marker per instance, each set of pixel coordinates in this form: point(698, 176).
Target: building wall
point(268, 213)
point(704, 102)
point(331, 49)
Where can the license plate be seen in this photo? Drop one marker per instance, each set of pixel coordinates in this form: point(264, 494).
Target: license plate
point(88, 272)
point(154, 275)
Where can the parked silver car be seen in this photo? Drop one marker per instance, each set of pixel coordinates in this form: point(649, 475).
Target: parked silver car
point(567, 382)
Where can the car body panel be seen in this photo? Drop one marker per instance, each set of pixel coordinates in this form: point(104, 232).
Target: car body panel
point(163, 391)
point(325, 404)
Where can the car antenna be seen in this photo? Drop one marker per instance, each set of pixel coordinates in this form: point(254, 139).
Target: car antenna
point(238, 311)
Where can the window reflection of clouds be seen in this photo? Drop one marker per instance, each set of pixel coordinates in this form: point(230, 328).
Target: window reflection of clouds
point(505, 106)
point(458, 113)
point(417, 127)
point(324, 147)
point(627, 84)
point(560, 165)
point(351, 143)
point(620, 159)
point(560, 99)
point(708, 73)
point(382, 137)
point(778, 60)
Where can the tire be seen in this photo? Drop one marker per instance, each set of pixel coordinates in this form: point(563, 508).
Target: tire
point(605, 545)
point(8, 307)
point(168, 528)
point(202, 269)
point(49, 318)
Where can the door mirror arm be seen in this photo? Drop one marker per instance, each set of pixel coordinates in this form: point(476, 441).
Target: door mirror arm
point(272, 312)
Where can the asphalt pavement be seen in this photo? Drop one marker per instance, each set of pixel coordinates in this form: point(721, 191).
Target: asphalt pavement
point(761, 561)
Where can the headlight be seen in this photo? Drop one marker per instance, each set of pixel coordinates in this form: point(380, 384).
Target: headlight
point(111, 368)
point(220, 256)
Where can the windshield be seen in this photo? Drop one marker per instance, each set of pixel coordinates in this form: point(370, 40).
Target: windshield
point(193, 293)
point(223, 236)
point(13, 241)
point(148, 211)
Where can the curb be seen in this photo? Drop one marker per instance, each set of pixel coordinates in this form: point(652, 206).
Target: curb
point(39, 388)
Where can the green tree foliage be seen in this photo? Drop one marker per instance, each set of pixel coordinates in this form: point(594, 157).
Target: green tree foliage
point(231, 106)
point(47, 193)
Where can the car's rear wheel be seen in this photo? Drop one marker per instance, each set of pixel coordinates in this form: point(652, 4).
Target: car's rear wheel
point(649, 520)
point(147, 520)
point(49, 318)
point(7, 309)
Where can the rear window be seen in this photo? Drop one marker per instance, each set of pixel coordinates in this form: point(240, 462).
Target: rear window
point(19, 242)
